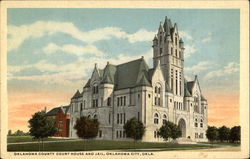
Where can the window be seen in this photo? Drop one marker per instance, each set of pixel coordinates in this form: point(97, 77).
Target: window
point(109, 118)
point(176, 52)
point(89, 116)
point(159, 101)
point(117, 118)
point(120, 134)
point(121, 118)
point(196, 123)
point(164, 120)
point(172, 50)
point(95, 117)
point(155, 134)
point(124, 102)
point(117, 134)
point(201, 125)
point(138, 95)
point(118, 101)
point(160, 51)
point(170, 100)
point(100, 133)
point(175, 40)
point(124, 118)
point(84, 104)
point(156, 120)
point(148, 95)
point(156, 89)
point(109, 101)
point(95, 89)
point(81, 107)
point(138, 116)
point(201, 135)
point(155, 100)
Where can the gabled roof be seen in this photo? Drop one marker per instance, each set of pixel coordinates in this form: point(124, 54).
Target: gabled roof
point(55, 110)
point(129, 74)
point(76, 95)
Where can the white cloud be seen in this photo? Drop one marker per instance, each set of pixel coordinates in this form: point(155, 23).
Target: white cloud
point(141, 35)
point(189, 50)
point(185, 35)
point(208, 38)
point(203, 65)
point(18, 34)
point(76, 71)
point(74, 49)
point(231, 68)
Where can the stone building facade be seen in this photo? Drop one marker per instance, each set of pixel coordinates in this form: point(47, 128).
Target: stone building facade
point(117, 93)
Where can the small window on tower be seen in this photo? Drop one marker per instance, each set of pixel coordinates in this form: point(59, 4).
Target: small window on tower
point(160, 51)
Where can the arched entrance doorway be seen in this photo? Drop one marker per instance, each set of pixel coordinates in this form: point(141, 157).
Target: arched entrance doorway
point(182, 125)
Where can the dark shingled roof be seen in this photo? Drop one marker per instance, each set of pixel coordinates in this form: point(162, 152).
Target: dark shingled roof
point(54, 111)
point(77, 95)
point(87, 84)
point(190, 85)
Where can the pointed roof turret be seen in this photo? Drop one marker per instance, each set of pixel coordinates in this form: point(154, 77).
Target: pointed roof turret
point(167, 25)
point(109, 74)
point(161, 29)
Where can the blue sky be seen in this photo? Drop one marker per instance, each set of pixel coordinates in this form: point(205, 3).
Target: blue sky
point(47, 43)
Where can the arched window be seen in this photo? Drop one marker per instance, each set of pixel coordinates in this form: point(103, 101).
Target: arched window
point(156, 89)
point(164, 120)
point(95, 117)
point(156, 118)
point(89, 116)
point(159, 90)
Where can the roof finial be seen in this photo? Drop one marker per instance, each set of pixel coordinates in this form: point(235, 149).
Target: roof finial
point(95, 65)
point(142, 57)
point(107, 62)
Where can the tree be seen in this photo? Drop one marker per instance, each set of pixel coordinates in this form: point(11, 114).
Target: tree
point(86, 128)
point(223, 133)
point(212, 133)
point(134, 129)
point(41, 126)
point(169, 130)
point(235, 134)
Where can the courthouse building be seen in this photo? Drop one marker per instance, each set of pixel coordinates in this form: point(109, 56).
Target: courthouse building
point(119, 92)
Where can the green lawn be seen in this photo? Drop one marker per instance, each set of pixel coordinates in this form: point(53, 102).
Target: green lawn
point(16, 139)
point(100, 145)
point(78, 145)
